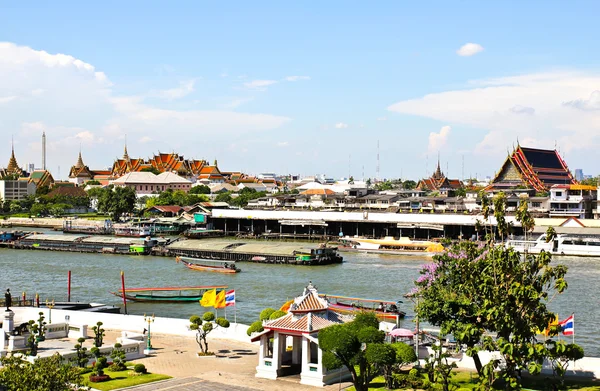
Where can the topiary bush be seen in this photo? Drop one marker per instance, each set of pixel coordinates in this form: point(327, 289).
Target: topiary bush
point(140, 368)
point(266, 313)
point(255, 327)
point(277, 314)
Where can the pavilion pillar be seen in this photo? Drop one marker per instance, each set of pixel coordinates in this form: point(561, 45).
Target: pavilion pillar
point(267, 367)
point(238, 225)
point(278, 340)
point(225, 226)
point(296, 350)
point(305, 355)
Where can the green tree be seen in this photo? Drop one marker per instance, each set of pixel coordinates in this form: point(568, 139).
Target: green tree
point(560, 354)
point(81, 355)
point(200, 189)
point(93, 183)
point(461, 192)
point(204, 326)
point(39, 210)
point(118, 356)
point(223, 197)
point(387, 185)
point(116, 201)
point(153, 170)
point(524, 217)
point(405, 354)
point(346, 345)
point(409, 184)
point(470, 290)
point(383, 357)
point(43, 374)
point(99, 333)
point(42, 190)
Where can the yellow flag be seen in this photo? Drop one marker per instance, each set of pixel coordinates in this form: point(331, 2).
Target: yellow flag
point(286, 306)
point(220, 299)
point(208, 298)
point(553, 322)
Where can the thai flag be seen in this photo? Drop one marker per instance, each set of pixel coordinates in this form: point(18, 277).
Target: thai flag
point(568, 325)
point(230, 298)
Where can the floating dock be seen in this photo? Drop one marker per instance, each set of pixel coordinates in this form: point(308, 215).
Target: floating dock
point(262, 252)
point(86, 244)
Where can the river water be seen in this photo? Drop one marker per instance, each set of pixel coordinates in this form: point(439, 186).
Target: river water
point(259, 286)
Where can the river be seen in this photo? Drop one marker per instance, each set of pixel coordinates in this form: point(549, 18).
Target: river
point(259, 286)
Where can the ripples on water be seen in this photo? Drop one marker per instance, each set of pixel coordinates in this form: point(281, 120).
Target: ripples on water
point(259, 286)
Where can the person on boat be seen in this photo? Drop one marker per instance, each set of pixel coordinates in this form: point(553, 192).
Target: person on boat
point(380, 307)
point(392, 308)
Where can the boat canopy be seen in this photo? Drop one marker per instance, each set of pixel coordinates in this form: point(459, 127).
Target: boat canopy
point(325, 296)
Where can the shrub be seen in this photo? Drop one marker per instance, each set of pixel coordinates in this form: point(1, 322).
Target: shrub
point(266, 313)
point(255, 327)
point(277, 314)
point(139, 368)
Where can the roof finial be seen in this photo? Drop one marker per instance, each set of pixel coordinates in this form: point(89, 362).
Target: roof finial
point(125, 154)
point(12, 163)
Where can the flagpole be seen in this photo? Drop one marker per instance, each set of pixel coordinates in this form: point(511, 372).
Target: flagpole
point(573, 315)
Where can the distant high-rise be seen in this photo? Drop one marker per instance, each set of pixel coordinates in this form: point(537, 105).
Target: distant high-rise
point(43, 150)
point(578, 174)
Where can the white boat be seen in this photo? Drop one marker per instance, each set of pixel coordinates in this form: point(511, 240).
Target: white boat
point(568, 245)
point(136, 231)
point(391, 244)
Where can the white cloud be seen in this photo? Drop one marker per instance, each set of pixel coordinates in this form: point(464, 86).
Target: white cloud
point(437, 141)
point(593, 103)
point(283, 144)
point(76, 104)
point(341, 125)
point(259, 84)
point(518, 109)
point(469, 49)
point(145, 139)
point(297, 78)
point(7, 99)
point(490, 105)
point(235, 103)
point(185, 88)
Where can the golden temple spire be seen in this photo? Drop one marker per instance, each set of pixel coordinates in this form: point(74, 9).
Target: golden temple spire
point(125, 154)
point(12, 162)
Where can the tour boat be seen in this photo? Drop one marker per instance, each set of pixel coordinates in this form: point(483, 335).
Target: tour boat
point(384, 310)
point(568, 245)
point(206, 265)
point(391, 244)
point(136, 231)
point(185, 294)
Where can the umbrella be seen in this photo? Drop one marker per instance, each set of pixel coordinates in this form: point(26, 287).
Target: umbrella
point(401, 333)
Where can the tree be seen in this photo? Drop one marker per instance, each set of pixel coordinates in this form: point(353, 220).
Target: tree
point(405, 354)
point(153, 170)
point(93, 182)
point(266, 314)
point(204, 326)
point(383, 357)
point(461, 192)
point(387, 185)
point(43, 374)
point(98, 334)
point(524, 217)
point(471, 290)
point(42, 190)
point(560, 354)
point(200, 189)
point(409, 184)
point(81, 355)
point(345, 345)
point(118, 356)
point(116, 200)
point(223, 197)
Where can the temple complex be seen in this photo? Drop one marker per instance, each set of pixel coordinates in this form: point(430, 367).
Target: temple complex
point(12, 169)
point(168, 162)
point(531, 169)
point(438, 182)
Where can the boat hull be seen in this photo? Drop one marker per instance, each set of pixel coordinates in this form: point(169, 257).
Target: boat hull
point(381, 315)
point(160, 299)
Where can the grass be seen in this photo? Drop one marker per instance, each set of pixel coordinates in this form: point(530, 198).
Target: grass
point(122, 379)
point(468, 380)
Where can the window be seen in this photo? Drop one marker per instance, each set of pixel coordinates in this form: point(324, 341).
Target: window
point(536, 204)
point(559, 193)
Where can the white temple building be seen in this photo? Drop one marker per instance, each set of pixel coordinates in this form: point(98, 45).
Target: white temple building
point(295, 348)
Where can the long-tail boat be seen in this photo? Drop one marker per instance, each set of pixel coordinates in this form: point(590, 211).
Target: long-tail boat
point(205, 265)
point(383, 309)
point(182, 294)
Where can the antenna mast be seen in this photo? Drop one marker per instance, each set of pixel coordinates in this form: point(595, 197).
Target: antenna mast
point(44, 150)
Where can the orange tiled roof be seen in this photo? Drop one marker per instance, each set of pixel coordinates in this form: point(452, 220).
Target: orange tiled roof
point(308, 323)
point(310, 302)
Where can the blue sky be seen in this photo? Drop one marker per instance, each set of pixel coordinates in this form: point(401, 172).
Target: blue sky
point(302, 87)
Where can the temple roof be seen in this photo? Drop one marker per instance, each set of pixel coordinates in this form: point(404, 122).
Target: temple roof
point(79, 163)
point(13, 166)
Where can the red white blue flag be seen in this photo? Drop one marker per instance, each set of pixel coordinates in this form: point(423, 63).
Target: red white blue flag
point(230, 298)
point(568, 325)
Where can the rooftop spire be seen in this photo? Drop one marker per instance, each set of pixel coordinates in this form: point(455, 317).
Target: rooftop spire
point(12, 162)
point(438, 170)
point(79, 163)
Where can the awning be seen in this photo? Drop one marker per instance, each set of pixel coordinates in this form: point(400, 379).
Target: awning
point(304, 222)
point(256, 337)
point(436, 227)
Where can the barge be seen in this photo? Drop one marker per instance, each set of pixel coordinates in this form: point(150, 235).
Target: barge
point(262, 252)
point(87, 244)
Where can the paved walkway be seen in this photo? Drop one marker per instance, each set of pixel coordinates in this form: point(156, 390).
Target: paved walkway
point(232, 368)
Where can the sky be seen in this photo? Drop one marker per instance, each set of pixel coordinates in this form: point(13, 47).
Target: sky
point(301, 87)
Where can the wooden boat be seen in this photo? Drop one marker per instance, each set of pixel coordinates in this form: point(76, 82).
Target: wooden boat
point(206, 265)
point(384, 310)
point(167, 294)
